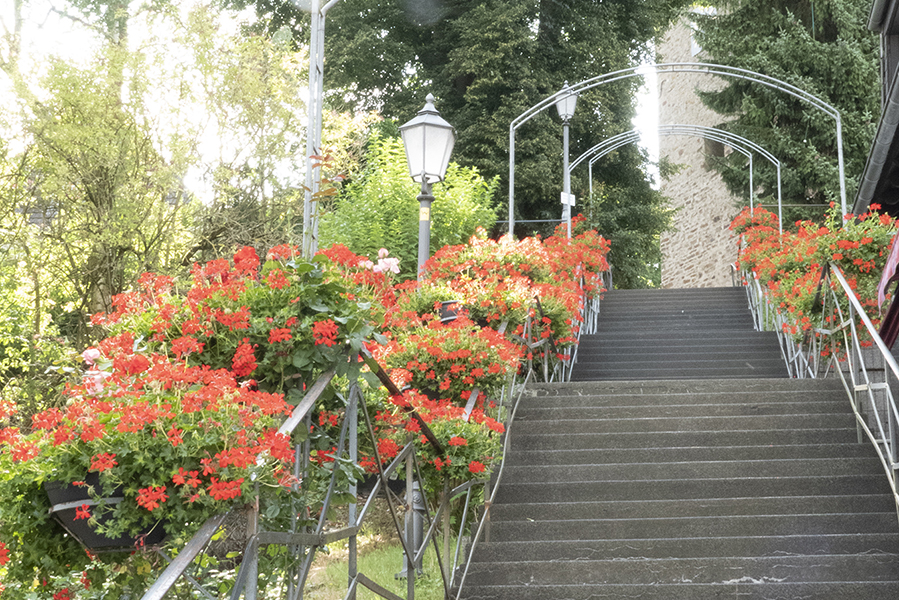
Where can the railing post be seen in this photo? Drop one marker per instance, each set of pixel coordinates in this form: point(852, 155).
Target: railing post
point(411, 547)
point(352, 413)
point(447, 563)
point(251, 588)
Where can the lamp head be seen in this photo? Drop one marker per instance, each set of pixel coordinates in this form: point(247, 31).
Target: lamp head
point(566, 103)
point(428, 141)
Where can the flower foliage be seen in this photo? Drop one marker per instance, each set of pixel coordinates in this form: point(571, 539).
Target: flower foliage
point(178, 409)
point(789, 265)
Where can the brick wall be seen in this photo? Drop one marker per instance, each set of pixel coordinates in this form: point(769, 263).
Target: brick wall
point(699, 252)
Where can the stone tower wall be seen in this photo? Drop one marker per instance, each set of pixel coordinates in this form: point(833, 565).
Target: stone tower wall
point(701, 249)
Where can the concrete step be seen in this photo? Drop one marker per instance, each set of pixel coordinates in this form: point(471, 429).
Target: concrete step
point(692, 527)
point(612, 375)
point(696, 453)
point(692, 470)
point(668, 571)
point(650, 548)
point(678, 489)
point(541, 440)
point(680, 424)
point(728, 590)
point(685, 387)
point(561, 411)
point(634, 509)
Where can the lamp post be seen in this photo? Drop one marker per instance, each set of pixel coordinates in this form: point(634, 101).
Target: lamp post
point(565, 105)
point(428, 141)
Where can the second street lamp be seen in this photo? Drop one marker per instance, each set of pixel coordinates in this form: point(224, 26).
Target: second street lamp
point(428, 141)
point(566, 105)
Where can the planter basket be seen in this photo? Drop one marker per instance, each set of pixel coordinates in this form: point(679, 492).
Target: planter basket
point(66, 499)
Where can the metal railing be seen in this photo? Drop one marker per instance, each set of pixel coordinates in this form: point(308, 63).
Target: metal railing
point(302, 541)
point(843, 342)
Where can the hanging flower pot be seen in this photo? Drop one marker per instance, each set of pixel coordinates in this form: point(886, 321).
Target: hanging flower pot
point(449, 310)
point(70, 504)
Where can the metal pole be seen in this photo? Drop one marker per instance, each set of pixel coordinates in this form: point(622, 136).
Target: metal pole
point(352, 415)
point(590, 175)
point(314, 123)
point(751, 188)
point(424, 227)
point(316, 64)
point(840, 162)
point(512, 179)
point(780, 210)
point(566, 178)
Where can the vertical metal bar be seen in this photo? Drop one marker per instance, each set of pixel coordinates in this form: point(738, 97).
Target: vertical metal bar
point(840, 162)
point(512, 179)
point(751, 188)
point(780, 210)
point(252, 584)
point(410, 533)
point(424, 227)
point(459, 538)
point(311, 148)
point(352, 414)
point(319, 113)
point(447, 575)
point(566, 174)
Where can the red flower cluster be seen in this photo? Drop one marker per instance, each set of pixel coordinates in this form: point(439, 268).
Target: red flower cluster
point(325, 332)
point(151, 497)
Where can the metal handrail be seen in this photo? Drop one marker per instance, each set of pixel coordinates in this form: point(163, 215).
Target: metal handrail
point(839, 333)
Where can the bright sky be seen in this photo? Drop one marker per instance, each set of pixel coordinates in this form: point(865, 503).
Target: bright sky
point(46, 33)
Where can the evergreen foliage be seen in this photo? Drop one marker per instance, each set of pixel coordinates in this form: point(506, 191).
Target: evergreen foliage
point(487, 61)
point(379, 208)
point(822, 47)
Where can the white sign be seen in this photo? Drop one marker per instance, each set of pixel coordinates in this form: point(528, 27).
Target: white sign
point(568, 199)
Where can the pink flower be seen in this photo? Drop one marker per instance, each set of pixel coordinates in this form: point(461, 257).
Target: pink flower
point(387, 264)
point(90, 356)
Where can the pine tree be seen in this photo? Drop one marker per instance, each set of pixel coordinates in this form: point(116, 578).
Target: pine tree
point(822, 47)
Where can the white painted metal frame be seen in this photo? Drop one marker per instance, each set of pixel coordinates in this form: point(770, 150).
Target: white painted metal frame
point(622, 139)
point(686, 67)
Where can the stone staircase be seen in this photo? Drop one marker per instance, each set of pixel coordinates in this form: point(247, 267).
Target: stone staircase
point(692, 487)
point(677, 334)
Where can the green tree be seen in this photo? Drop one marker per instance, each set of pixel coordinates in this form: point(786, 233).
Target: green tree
point(379, 210)
point(822, 47)
point(633, 218)
point(487, 61)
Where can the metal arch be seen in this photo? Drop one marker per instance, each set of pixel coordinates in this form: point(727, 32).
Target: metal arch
point(684, 67)
point(628, 137)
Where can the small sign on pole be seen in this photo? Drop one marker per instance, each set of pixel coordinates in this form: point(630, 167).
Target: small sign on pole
point(568, 199)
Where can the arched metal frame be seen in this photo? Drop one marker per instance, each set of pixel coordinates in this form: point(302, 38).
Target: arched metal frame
point(718, 135)
point(686, 67)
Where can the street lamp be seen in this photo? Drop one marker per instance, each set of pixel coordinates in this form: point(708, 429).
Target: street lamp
point(428, 140)
point(565, 105)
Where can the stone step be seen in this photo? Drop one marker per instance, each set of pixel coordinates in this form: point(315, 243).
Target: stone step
point(690, 470)
point(649, 548)
point(560, 411)
point(695, 453)
point(684, 387)
point(668, 571)
point(685, 424)
point(692, 527)
point(687, 489)
point(634, 509)
point(743, 590)
point(541, 440)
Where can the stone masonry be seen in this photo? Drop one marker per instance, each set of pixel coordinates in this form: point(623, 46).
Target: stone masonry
point(701, 249)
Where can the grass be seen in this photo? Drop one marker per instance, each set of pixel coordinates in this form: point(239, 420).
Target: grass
point(328, 580)
point(380, 558)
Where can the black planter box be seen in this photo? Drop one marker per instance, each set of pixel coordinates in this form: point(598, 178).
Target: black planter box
point(66, 499)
